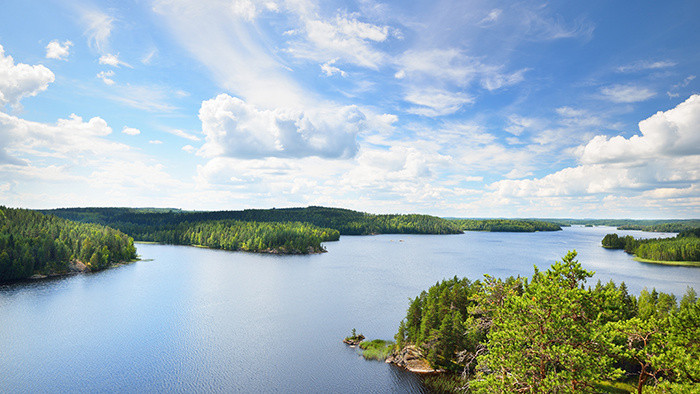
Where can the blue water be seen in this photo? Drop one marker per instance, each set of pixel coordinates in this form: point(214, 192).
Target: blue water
point(191, 320)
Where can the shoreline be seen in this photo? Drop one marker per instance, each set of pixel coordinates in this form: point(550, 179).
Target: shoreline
point(273, 251)
point(71, 272)
point(671, 263)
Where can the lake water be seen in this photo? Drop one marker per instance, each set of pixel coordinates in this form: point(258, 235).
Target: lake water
point(191, 319)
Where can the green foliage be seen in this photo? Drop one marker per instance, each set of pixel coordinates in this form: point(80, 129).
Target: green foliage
point(245, 236)
point(505, 225)
point(31, 242)
point(346, 221)
point(554, 334)
point(684, 247)
point(668, 226)
point(549, 338)
point(376, 349)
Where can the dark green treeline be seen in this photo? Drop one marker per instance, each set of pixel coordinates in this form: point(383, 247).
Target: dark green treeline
point(346, 221)
point(683, 247)
point(553, 334)
point(283, 238)
point(506, 225)
point(31, 242)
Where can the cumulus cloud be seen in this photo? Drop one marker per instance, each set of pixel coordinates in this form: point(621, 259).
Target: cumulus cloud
point(57, 50)
point(675, 132)
point(131, 131)
point(21, 80)
point(626, 93)
point(234, 128)
point(663, 161)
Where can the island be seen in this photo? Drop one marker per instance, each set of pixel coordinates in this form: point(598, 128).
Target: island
point(506, 225)
point(550, 333)
point(683, 249)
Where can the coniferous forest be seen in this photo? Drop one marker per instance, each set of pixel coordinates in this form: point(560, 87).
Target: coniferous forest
point(346, 221)
point(552, 334)
point(31, 242)
point(683, 247)
point(506, 225)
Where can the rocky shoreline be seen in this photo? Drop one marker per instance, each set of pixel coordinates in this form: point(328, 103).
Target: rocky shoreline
point(411, 358)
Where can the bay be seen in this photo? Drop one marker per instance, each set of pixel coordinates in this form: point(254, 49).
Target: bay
point(197, 320)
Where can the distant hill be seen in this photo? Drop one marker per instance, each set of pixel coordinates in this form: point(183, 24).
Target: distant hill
point(139, 221)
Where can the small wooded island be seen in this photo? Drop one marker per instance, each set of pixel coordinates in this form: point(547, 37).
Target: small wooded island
point(683, 249)
point(550, 334)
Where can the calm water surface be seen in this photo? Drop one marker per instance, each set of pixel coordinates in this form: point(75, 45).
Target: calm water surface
point(193, 320)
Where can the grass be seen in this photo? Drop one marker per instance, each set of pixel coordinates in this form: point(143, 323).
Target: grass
point(377, 349)
point(445, 383)
point(679, 263)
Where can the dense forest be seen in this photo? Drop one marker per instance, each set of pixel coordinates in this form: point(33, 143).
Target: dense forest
point(505, 225)
point(346, 221)
point(31, 242)
point(553, 334)
point(286, 238)
point(683, 247)
point(669, 226)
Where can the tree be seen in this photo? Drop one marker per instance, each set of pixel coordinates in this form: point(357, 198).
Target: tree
point(548, 339)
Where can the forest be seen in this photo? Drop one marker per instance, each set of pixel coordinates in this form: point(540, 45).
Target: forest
point(683, 247)
point(345, 221)
point(31, 242)
point(506, 225)
point(669, 225)
point(551, 333)
point(283, 238)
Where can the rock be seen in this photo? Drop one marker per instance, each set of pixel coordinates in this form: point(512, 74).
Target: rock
point(78, 266)
point(354, 341)
point(411, 358)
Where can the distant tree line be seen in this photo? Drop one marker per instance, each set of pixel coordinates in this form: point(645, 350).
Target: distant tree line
point(505, 225)
point(683, 247)
point(293, 237)
point(346, 221)
point(552, 334)
point(31, 242)
point(669, 226)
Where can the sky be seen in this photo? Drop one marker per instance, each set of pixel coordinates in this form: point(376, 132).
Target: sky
point(576, 109)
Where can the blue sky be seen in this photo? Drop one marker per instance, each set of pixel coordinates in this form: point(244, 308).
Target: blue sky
point(453, 108)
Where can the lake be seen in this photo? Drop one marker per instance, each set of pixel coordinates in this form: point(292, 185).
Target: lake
point(190, 319)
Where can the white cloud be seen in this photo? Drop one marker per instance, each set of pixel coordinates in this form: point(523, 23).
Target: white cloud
point(645, 65)
point(189, 148)
point(131, 131)
point(106, 77)
point(112, 60)
point(57, 50)
point(234, 128)
point(155, 142)
point(675, 132)
point(436, 102)
point(518, 124)
point(99, 29)
point(328, 69)
point(183, 134)
point(344, 38)
point(626, 93)
point(491, 17)
point(21, 80)
point(148, 57)
point(644, 170)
